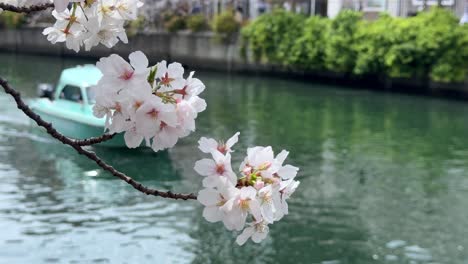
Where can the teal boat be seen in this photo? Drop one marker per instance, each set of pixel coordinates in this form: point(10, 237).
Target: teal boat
point(69, 106)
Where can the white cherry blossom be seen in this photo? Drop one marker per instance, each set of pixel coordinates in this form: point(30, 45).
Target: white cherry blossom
point(170, 76)
point(208, 145)
point(108, 34)
point(270, 202)
point(150, 116)
point(261, 190)
point(214, 199)
point(239, 207)
point(133, 104)
point(213, 169)
point(91, 23)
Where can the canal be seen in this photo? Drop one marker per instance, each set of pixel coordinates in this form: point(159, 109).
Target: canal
point(384, 179)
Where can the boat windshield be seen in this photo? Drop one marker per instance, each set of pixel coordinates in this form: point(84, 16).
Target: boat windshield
point(91, 95)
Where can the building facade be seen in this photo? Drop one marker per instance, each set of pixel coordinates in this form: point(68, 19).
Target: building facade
point(402, 8)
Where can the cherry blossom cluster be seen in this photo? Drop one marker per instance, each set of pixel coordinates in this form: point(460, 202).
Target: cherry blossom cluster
point(258, 194)
point(90, 22)
point(156, 104)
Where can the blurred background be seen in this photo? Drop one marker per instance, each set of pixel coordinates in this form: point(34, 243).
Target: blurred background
point(368, 97)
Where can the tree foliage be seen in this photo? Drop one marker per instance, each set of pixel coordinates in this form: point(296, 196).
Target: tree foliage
point(430, 45)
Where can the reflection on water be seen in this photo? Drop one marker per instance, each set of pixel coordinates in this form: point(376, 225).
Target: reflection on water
point(383, 180)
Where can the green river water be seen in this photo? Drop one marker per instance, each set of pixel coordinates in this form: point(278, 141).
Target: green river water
point(384, 179)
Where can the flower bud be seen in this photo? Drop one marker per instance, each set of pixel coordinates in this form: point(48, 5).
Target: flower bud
point(259, 184)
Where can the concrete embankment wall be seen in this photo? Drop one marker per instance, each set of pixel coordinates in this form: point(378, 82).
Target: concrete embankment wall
point(195, 50)
point(201, 51)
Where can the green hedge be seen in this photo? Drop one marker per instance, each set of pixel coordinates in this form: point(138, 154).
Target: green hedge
point(225, 25)
point(430, 45)
point(11, 20)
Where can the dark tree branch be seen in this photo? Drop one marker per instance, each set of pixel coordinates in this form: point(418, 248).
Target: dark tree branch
point(77, 145)
point(94, 140)
point(25, 9)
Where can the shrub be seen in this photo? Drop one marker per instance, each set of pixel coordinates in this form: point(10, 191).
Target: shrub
point(340, 55)
point(12, 20)
point(272, 36)
point(225, 25)
point(308, 50)
point(430, 45)
point(196, 23)
point(452, 65)
point(176, 23)
point(373, 41)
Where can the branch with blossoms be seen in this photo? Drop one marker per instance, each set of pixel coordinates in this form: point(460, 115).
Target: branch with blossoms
point(259, 193)
point(156, 106)
point(78, 146)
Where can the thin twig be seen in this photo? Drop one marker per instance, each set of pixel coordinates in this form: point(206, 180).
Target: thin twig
point(94, 140)
point(25, 9)
point(91, 155)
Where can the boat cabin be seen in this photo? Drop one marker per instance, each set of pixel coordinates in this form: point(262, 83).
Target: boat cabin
point(75, 84)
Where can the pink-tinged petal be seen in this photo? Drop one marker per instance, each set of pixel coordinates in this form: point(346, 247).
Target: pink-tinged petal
point(205, 167)
point(212, 214)
point(175, 70)
point(169, 118)
point(248, 192)
point(206, 145)
point(197, 103)
point(258, 237)
point(267, 212)
point(281, 157)
point(61, 5)
point(166, 138)
point(161, 69)
point(132, 139)
point(245, 235)
point(219, 157)
point(139, 62)
point(211, 181)
point(288, 172)
point(233, 140)
point(178, 83)
point(237, 217)
point(254, 207)
point(208, 197)
point(227, 207)
point(228, 224)
point(228, 190)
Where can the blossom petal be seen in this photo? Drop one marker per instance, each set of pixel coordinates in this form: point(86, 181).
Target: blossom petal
point(139, 61)
point(208, 197)
point(258, 237)
point(248, 192)
point(288, 172)
point(212, 214)
point(245, 235)
point(205, 167)
point(207, 144)
point(233, 140)
point(211, 181)
point(281, 157)
point(254, 207)
point(61, 5)
point(132, 139)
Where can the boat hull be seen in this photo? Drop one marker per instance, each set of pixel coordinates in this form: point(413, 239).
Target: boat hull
point(75, 129)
